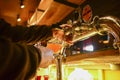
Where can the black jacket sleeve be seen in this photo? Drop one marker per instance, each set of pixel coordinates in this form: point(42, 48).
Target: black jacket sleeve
point(30, 34)
point(17, 61)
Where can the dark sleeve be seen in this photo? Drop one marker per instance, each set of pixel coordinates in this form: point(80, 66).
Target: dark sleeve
point(30, 34)
point(17, 61)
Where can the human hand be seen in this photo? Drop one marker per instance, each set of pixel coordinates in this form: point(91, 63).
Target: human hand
point(61, 34)
point(46, 56)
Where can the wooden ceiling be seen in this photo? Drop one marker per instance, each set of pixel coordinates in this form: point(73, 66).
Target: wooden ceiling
point(49, 11)
point(9, 9)
point(36, 11)
point(52, 11)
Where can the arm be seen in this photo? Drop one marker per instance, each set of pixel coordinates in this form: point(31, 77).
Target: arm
point(30, 34)
point(18, 61)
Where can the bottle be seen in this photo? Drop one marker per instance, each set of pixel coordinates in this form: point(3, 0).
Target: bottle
point(38, 78)
point(46, 77)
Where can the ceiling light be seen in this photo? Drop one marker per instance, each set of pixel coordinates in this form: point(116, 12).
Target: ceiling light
point(18, 18)
point(21, 4)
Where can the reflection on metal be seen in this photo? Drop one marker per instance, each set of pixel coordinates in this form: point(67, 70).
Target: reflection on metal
point(117, 45)
point(59, 66)
point(99, 26)
point(115, 66)
point(59, 59)
point(113, 26)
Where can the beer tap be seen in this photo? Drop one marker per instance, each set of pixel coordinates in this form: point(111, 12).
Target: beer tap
point(59, 59)
point(83, 31)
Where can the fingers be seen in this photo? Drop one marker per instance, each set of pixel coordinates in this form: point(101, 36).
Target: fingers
point(46, 56)
point(60, 35)
point(47, 63)
point(66, 26)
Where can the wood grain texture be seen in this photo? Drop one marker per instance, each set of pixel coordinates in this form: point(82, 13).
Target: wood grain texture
point(98, 57)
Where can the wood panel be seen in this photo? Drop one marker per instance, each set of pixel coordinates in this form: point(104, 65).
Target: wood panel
point(43, 5)
point(55, 13)
point(78, 2)
point(98, 57)
point(35, 18)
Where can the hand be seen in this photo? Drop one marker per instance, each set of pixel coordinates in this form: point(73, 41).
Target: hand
point(66, 26)
point(60, 34)
point(46, 56)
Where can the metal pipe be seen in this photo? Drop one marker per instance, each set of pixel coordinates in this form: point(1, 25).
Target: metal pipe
point(59, 71)
point(97, 28)
point(85, 36)
point(59, 67)
point(103, 27)
point(114, 28)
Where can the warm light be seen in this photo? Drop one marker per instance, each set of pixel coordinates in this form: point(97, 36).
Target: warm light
point(19, 19)
point(54, 47)
point(106, 42)
point(88, 48)
point(80, 74)
point(22, 6)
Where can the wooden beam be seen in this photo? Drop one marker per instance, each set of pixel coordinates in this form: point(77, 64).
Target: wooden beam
point(55, 13)
point(111, 52)
point(67, 3)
